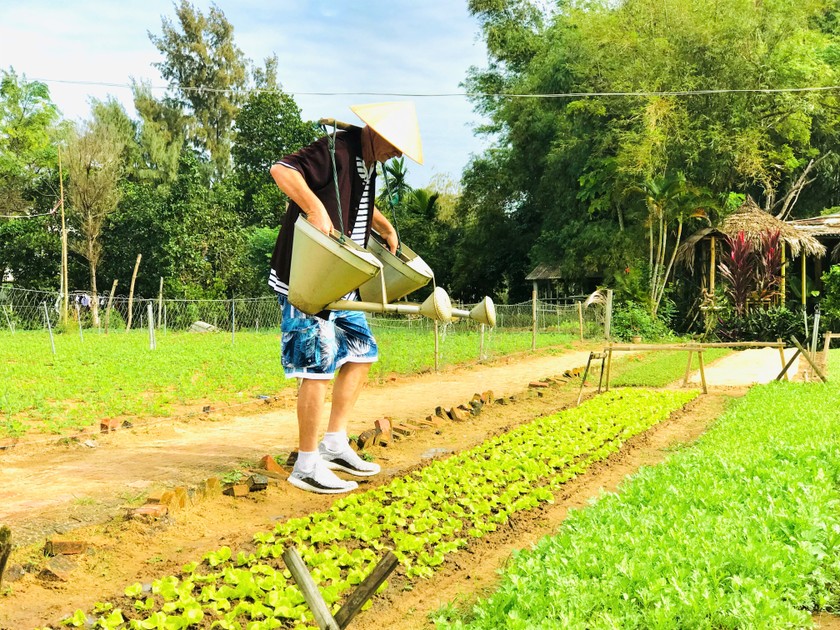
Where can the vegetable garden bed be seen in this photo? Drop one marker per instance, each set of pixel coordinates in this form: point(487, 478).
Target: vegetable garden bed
point(424, 516)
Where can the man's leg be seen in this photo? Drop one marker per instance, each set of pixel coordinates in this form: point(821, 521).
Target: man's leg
point(346, 390)
point(335, 450)
point(310, 410)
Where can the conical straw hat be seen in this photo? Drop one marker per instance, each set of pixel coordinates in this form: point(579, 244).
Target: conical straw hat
point(397, 123)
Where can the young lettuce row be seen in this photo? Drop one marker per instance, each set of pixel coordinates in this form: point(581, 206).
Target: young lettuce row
point(423, 517)
point(740, 530)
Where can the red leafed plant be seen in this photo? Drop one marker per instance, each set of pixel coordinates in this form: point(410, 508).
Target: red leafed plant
point(768, 266)
point(738, 269)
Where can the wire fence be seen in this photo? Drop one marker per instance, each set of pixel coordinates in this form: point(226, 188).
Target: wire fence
point(25, 309)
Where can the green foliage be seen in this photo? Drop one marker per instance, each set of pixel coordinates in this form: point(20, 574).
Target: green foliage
point(673, 548)
point(759, 324)
point(199, 52)
point(830, 303)
point(564, 171)
point(268, 127)
point(631, 319)
point(425, 517)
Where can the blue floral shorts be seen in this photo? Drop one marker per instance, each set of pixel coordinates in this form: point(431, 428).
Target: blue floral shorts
point(313, 347)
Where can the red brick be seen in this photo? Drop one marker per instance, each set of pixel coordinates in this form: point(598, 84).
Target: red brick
point(401, 429)
point(58, 569)
point(149, 511)
point(367, 438)
point(458, 415)
point(212, 486)
point(64, 547)
point(487, 397)
point(237, 490)
point(109, 425)
point(537, 384)
point(384, 426)
point(270, 464)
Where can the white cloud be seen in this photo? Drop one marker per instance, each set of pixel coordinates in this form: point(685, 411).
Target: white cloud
point(322, 46)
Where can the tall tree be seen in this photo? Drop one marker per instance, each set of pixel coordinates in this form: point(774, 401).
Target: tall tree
point(207, 72)
point(94, 165)
point(569, 163)
point(267, 127)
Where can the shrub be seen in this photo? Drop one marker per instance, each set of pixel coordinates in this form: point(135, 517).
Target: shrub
point(630, 319)
point(770, 324)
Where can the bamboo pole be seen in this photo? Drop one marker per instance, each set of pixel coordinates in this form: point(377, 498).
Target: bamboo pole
point(309, 589)
point(783, 280)
point(782, 355)
point(110, 302)
point(534, 316)
point(65, 290)
point(131, 292)
point(804, 297)
point(160, 303)
point(712, 253)
point(702, 371)
point(580, 318)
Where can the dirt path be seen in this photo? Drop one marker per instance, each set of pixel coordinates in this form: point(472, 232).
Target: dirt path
point(59, 489)
point(756, 365)
point(67, 486)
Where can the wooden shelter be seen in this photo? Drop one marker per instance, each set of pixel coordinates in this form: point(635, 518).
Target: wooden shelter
point(753, 222)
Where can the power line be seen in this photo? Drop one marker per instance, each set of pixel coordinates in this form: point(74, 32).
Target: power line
point(557, 95)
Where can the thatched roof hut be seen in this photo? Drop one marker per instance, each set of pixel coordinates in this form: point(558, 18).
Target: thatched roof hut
point(753, 221)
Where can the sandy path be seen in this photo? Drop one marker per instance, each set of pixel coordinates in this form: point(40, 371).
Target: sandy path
point(745, 367)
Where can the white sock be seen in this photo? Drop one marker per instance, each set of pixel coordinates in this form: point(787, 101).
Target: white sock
point(336, 441)
point(306, 460)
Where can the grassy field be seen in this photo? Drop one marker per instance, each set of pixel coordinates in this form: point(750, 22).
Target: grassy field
point(740, 530)
point(119, 376)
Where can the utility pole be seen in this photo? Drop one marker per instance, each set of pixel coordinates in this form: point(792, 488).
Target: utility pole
point(65, 297)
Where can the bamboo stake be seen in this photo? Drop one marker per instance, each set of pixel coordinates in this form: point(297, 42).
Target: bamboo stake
point(580, 318)
point(783, 278)
point(804, 353)
point(307, 586)
point(131, 292)
point(65, 299)
point(160, 302)
point(712, 253)
point(782, 355)
point(702, 371)
point(687, 369)
point(366, 589)
point(534, 317)
point(49, 326)
point(110, 302)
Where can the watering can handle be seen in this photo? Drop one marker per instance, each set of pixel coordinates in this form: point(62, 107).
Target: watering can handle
point(332, 122)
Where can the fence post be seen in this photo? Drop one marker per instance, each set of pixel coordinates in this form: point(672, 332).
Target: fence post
point(608, 314)
point(160, 302)
point(110, 302)
point(49, 326)
point(233, 322)
point(534, 317)
point(150, 310)
point(481, 345)
point(580, 317)
point(131, 292)
point(8, 321)
point(79, 320)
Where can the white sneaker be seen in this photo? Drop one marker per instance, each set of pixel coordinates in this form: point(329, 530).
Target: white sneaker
point(347, 461)
point(320, 480)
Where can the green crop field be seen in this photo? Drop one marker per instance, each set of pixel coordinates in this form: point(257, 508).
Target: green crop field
point(118, 376)
point(740, 530)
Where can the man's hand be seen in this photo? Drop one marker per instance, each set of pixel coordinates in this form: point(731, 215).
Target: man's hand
point(320, 219)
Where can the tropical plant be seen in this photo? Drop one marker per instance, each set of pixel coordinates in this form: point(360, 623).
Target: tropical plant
point(737, 266)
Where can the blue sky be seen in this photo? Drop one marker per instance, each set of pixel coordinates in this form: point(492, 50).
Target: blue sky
point(395, 46)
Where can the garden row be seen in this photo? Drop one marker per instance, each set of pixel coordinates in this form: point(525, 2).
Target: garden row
point(424, 517)
point(740, 530)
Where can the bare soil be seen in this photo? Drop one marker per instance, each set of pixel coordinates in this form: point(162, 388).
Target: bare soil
point(80, 492)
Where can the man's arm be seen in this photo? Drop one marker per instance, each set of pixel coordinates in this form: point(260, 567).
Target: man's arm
point(383, 226)
point(294, 185)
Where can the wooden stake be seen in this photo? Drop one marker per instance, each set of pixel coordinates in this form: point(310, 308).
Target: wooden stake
point(609, 367)
point(310, 591)
point(131, 292)
point(702, 371)
point(366, 589)
point(580, 318)
point(534, 317)
point(65, 293)
point(687, 369)
point(782, 355)
point(813, 365)
point(160, 303)
point(110, 302)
